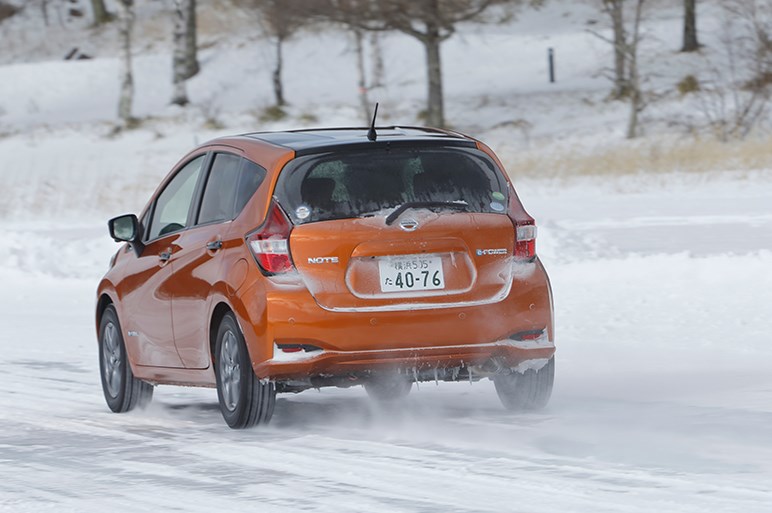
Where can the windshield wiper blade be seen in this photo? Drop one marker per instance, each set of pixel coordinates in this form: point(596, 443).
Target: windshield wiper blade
point(423, 204)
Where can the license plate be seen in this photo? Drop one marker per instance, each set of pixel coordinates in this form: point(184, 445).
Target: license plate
point(409, 273)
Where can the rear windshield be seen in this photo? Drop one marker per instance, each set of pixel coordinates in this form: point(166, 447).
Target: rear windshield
point(362, 183)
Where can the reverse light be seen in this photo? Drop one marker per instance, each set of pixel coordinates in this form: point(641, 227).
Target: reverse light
point(270, 243)
point(525, 239)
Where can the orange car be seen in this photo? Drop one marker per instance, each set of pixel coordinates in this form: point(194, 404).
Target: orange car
point(282, 261)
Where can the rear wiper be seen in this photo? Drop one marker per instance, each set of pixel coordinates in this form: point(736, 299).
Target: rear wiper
point(423, 204)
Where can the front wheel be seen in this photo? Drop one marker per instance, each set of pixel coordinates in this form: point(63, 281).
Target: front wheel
point(123, 392)
point(244, 400)
point(530, 390)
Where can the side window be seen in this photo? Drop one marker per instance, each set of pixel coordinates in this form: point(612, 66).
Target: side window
point(252, 176)
point(220, 193)
point(173, 204)
point(232, 182)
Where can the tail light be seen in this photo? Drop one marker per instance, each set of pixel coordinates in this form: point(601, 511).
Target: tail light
point(525, 230)
point(270, 243)
point(525, 239)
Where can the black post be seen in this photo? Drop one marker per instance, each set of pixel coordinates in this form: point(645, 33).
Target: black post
point(551, 58)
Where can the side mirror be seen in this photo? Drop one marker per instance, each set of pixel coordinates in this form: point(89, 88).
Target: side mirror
point(126, 228)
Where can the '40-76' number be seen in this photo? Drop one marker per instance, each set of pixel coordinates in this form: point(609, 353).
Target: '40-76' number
point(408, 280)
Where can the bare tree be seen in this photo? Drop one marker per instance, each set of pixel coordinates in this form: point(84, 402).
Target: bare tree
point(735, 99)
point(755, 18)
point(126, 23)
point(431, 22)
point(625, 42)
point(280, 20)
point(376, 68)
point(615, 10)
point(690, 27)
point(362, 73)
point(378, 75)
point(190, 65)
point(8, 11)
point(634, 82)
point(185, 60)
point(347, 14)
point(44, 11)
point(278, 24)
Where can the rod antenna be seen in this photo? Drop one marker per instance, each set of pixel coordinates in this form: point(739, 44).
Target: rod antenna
point(371, 135)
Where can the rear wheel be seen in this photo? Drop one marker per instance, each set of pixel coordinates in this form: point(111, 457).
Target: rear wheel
point(123, 392)
point(530, 390)
point(244, 400)
point(388, 388)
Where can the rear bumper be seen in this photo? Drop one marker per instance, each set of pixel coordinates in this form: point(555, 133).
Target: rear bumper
point(456, 336)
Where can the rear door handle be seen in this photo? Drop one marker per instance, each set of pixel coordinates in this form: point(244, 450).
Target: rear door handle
point(214, 245)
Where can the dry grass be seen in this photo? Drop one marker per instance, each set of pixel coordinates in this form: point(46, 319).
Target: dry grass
point(215, 18)
point(650, 156)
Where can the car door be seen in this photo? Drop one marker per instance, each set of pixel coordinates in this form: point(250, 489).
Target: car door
point(149, 284)
point(199, 258)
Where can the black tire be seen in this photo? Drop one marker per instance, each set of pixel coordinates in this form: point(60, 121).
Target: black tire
point(123, 392)
point(530, 390)
point(388, 388)
point(244, 400)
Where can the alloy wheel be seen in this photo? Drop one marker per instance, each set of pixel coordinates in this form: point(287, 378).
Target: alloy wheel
point(230, 370)
point(111, 359)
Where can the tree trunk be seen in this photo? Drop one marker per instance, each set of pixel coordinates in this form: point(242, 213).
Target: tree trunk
point(615, 10)
point(179, 69)
point(127, 81)
point(100, 12)
point(690, 26)
point(278, 89)
point(361, 72)
point(634, 83)
point(44, 11)
point(635, 109)
point(435, 113)
point(191, 65)
point(376, 55)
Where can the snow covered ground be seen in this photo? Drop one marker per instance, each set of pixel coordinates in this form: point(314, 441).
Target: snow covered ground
point(663, 398)
point(662, 282)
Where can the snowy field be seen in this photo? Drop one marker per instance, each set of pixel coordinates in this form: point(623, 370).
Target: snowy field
point(663, 396)
point(662, 284)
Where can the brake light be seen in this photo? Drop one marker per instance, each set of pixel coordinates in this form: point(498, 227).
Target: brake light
point(270, 243)
point(525, 239)
point(525, 230)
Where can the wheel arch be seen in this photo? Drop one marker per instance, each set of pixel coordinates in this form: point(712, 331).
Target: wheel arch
point(220, 310)
point(102, 303)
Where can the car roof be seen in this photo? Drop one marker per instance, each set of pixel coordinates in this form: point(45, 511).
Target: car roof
point(318, 140)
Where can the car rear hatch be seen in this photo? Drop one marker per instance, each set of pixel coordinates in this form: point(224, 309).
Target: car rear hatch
point(449, 258)
point(399, 229)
